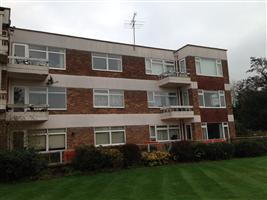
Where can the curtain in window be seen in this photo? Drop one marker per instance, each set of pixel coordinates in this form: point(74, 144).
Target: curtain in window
point(157, 68)
point(38, 142)
point(102, 138)
point(211, 99)
point(208, 67)
point(117, 137)
point(56, 142)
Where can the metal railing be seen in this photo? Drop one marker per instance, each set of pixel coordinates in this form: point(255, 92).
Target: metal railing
point(27, 108)
point(28, 61)
point(176, 108)
point(173, 74)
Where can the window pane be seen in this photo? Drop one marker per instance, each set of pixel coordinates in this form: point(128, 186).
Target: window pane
point(211, 99)
point(19, 95)
point(214, 130)
point(200, 100)
point(101, 91)
point(37, 99)
point(152, 131)
point(185, 97)
point(56, 100)
point(160, 101)
point(56, 142)
point(101, 100)
point(56, 89)
point(101, 129)
point(208, 67)
point(118, 92)
point(38, 89)
point(117, 128)
point(56, 60)
point(102, 138)
point(20, 51)
point(37, 54)
point(148, 66)
point(182, 66)
point(174, 134)
point(57, 130)
point(205, 133)
point(38, 142)
point(36, 47)
point(116, 101)
point(162, 135)
point(99, 63)
point(54, 49)
point(117, 137)
point(100, 55)
point(173, 101)
point(219, 66)
point(157, 68)
point(114, 64)
point(222, 99)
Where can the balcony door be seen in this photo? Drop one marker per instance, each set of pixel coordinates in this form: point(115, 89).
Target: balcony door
point(19, 98)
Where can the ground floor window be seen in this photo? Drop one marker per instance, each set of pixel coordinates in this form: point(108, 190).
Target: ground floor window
point(165, 133)
point(109, 135)
point(215, 130)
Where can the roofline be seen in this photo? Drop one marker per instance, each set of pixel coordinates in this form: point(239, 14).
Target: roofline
point(193, 45)
point(97, 40)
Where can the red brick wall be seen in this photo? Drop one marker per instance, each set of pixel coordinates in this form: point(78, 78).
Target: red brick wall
point(80, 63)
point(213, 115)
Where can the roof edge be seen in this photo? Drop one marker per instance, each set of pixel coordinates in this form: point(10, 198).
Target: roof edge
point(193, 45)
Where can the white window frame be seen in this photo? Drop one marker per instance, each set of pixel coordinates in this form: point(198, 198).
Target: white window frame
point(107, 57)
point(108, 95)
point(149, 65)
point(110, 131)
point(27, 51)
point(47, 134)
point(204, 125)
point(218, 67)
point(221, 94)
point(27, 94)
point(168, 128)
point(164, 94)
point(180, 61)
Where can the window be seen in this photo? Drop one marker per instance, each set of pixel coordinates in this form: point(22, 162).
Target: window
point(55, 56)
point(47, 139)
point(208, 67)
point(211, 99)
point(108, 98)
point(109, 135)
point(214, 130)
point(107, 62)
point(182, 66)
point(54, 97)
point(157, 67)
point(165, 133)
point(161, 99)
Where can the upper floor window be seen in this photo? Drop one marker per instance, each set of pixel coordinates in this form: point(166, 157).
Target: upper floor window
point(39, 55)
point(182, 66)
point(105, 98)
point(161, 99)
point(157, 67)
point(109, 135)
point(165, 133)
point(106, 62)
point(211, 99)
point(208, 67)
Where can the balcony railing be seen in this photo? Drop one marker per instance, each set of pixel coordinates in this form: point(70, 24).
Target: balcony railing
point(28, 61)
point(173, 74)
point(177, 112)
point(176, 108)
point(27, 112)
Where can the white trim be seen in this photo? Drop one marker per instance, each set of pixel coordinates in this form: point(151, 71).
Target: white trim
point(231, 118)
point(164, 64)
point(217, 63)
point(168, 128)
point(110, 131)
point(221, 94)
point(227, 87)
point(107, 63)
point(108, 95)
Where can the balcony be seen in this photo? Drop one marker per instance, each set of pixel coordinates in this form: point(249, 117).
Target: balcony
point(2, 101)
point(177, 112)
point(174, 79)
point(27, 112)
point(4, 43)
point(33, 68)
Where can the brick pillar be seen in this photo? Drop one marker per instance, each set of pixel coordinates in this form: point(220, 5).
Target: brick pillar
point(196, 130)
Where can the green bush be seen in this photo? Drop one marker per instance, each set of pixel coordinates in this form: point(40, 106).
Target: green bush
point(219, 151)
point(131, 154)
point(90, 158)
point(182, 151)
point(20, 164)
point(250, 148)
point(155, 158)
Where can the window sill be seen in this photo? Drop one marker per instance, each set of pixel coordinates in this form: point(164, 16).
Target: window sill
point(212, 107)
point(118, 71)
point(53, 68)
point(214, 76)
point(105, 145)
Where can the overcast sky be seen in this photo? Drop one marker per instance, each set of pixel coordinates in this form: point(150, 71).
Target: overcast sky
point(239, 27)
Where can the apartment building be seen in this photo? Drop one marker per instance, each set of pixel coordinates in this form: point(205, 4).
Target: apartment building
point(60, 91)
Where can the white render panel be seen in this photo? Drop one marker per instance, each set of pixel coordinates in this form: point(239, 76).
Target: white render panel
point(53, 40)
point(230, 118)
point(201, 52)
point(227, 87)
point(94, 120)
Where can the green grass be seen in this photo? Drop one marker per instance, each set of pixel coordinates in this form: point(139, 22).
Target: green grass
point(231, 179)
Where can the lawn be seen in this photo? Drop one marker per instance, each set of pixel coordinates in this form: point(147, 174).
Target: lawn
point(231, 179)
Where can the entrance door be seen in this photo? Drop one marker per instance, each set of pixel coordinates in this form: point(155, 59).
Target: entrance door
point(188, 131)
point(19, 98)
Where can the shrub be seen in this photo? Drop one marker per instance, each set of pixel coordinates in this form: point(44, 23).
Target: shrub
point(131, 154)
point(90, 158)
point(219, 151)
point(250, 149)
point(16, 165)
point(200, 151)
point(155, 158)
point(182, 151)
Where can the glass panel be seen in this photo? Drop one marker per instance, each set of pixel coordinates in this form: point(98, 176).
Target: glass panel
point(117, 128)
point(226, 132)
point(114, 65)
point(56, 60)
point(57, 130)
point(220, 71)
point(56, 142)
point(20, 51)
point(37, 131)
point(205, 133)
point(38, 89)
point(56, 100)
point(185, 97)
point(211, 99)
point(200, 100)
point(101, 91)
point(118, 92)
point(214, 131)
point(148, 66)
point(37, 99)
point(182, 66)
point(56, 89)
point(19, 95)
point(37, 54)
point(198, 68)
point(99, 63)
point(208, 67)
point(117, 137)
point(36, 47)
point(100, 100)
point(157, 68)
point(54, 49)
point(100, 54)
point(101, 129)
point(174, 134)
point(102, 138)
point(173, 101)
point(162, 134)
point(114, 56)
point(160, 101)
point(222, 99)
point(152, 131)
point(116, 101)
point(38, 142)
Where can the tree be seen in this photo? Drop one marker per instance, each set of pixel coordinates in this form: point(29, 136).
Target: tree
point(251, 98)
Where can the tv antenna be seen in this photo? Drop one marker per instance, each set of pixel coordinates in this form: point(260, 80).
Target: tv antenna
point(134, 24)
